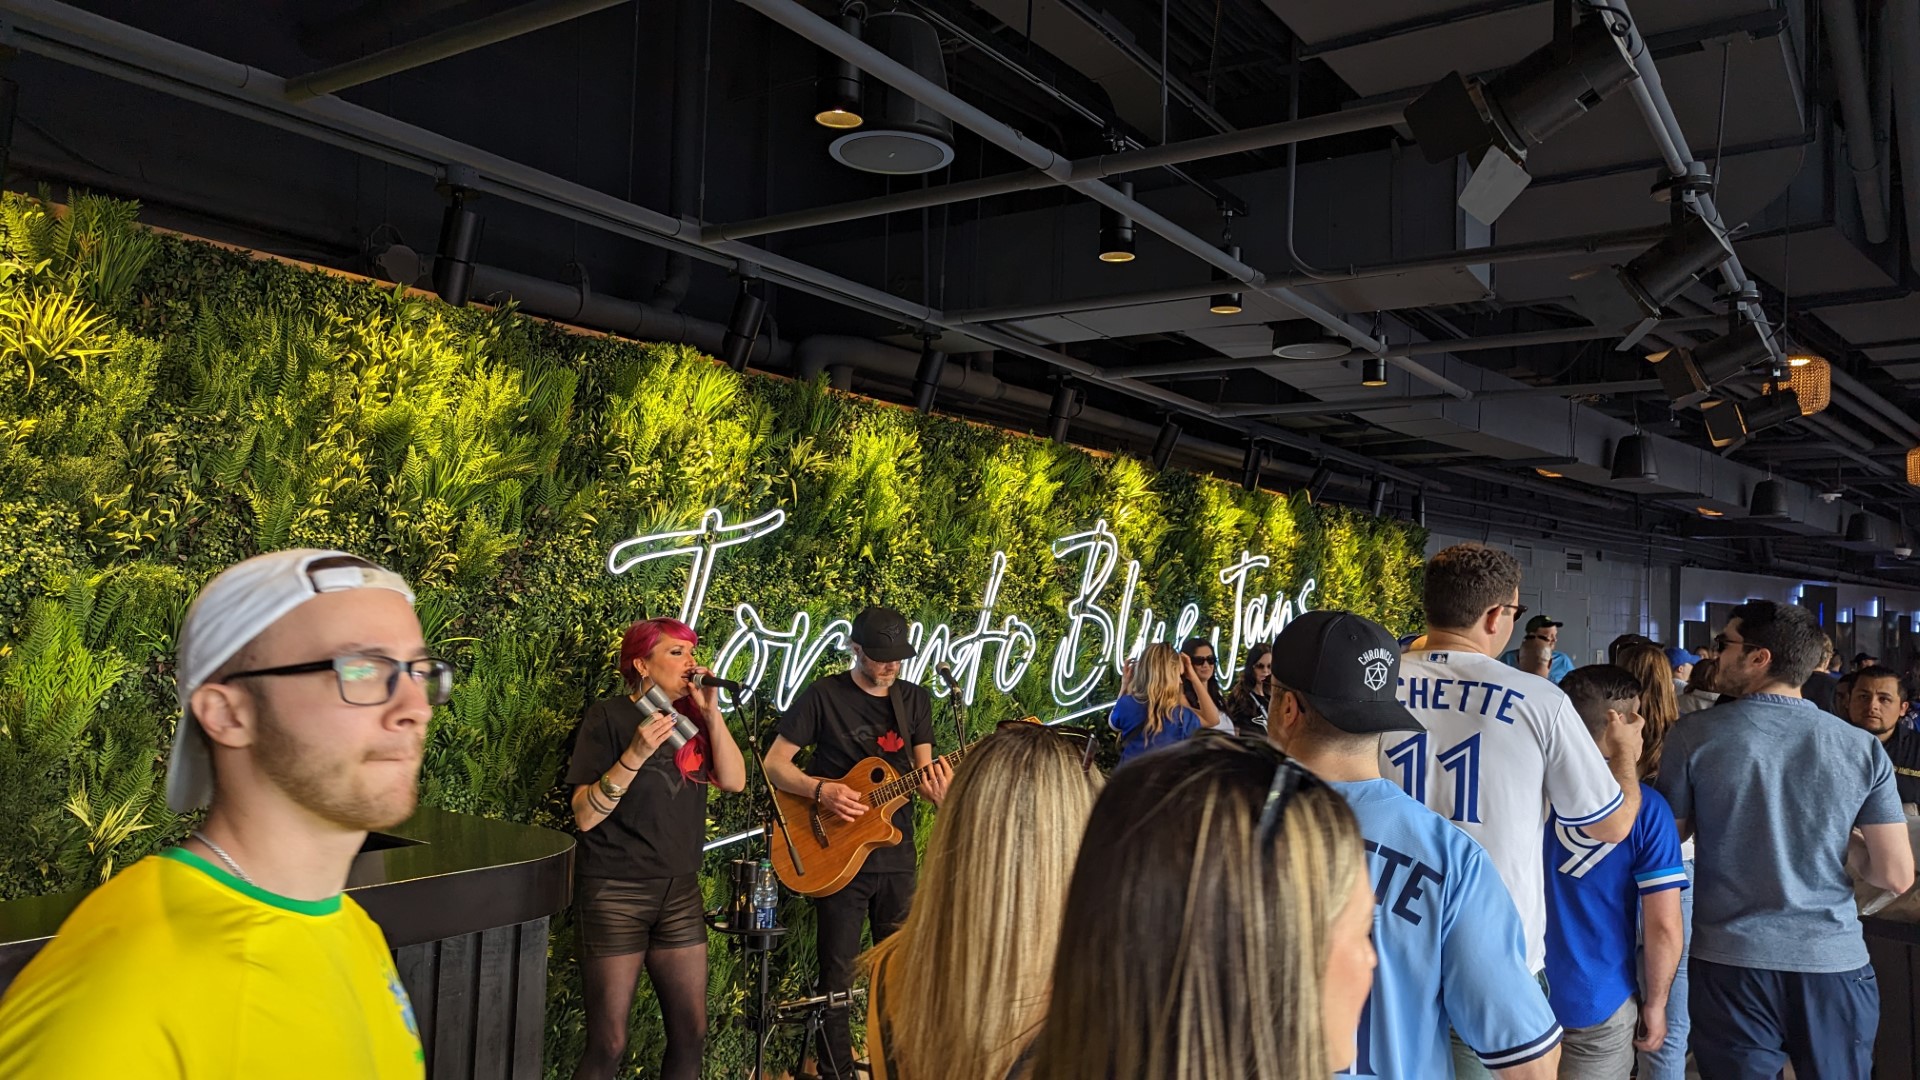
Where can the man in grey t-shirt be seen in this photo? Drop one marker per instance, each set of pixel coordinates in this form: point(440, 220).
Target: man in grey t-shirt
point(1774, 788)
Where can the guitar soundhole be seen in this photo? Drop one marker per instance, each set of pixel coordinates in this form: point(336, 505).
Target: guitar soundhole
point(877, 776)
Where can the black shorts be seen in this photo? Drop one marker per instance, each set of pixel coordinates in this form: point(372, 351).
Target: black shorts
point(622, 916)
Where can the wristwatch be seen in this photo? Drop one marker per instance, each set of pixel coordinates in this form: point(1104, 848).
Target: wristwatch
point(610, 789)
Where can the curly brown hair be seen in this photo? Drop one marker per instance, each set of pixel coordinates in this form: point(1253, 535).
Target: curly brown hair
point(1465, 581)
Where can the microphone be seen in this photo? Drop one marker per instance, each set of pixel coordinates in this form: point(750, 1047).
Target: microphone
point(683, 728)
point(945, 671)
point(715, 681)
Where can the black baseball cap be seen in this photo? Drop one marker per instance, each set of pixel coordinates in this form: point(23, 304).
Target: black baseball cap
point(1541, 622)
point(882, 633)
point(1348, 669)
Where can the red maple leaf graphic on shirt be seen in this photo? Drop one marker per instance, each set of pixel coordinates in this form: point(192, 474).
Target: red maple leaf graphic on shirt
point(891, 742)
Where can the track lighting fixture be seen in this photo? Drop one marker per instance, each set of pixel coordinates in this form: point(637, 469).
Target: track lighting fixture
point(1060, 413)
point(1729, 422)
point(1317, 484)
point(1656, 276)
point(459, 242)
point(1496, 122)
point(1811, 380)
point(1377, 496)
point(926, 378)
point(1164, 443)
point(1116, 231)
point(1689, 375)
point(743, 327)
point(1633, 459)
point(838, 104)
point(1769, 500)
point(1373, 371)
point(1303, 340)
point(1256, 460)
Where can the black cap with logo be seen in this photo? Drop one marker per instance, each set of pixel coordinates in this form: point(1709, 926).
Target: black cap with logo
point(882, 634)
point(1348, 669)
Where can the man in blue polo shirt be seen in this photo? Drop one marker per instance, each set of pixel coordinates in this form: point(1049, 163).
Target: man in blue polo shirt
point(1547, 633)
point(1777, 789)
point(1594, 892)
point(1451, 949)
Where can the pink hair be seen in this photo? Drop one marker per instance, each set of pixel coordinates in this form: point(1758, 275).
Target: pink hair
point(640, 641)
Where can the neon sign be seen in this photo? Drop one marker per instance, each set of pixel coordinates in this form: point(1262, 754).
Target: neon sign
point(1097, 640)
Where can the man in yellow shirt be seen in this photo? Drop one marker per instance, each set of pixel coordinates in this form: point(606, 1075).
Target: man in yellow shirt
point(305, 689)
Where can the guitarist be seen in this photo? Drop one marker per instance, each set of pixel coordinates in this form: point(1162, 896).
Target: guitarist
point(845, 718)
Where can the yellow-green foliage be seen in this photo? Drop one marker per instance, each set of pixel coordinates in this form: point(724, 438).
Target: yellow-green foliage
point(167, 408)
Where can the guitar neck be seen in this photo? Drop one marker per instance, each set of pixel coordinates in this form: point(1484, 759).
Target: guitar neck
point(907, 783)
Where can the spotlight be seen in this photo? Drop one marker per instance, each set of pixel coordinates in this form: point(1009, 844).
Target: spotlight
point(897, 135)
point(743, 328)
point(1317, 485)
point(1227, 303)
point(1116, 231)
point(1497, 122)
point(1250, 468)
point(1373, 371)
point(1659, 273)
point(1060, 413)
point(1860, 529)
point(1420, 508)
point(459, 240)
point(1377, 496)
point(1709, 512)
point(1633, 459)
point(1548, 474)
point(1730, 422)
point(839, 94)
point(1302, 340)
point(1688, 375)
point(926, 379)
point(1769, 500)
point(1164, 443)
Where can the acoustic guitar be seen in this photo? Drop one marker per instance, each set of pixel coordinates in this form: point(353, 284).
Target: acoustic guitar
point(832, 850)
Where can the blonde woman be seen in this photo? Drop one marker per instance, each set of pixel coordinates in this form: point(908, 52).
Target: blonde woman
point(1154, 710)
point(1217, 926)
point(959, 990)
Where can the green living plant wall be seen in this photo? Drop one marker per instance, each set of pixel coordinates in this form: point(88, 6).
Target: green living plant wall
point(168, 407)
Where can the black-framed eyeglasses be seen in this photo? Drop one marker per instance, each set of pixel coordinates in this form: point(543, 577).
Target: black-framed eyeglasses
point(369, 678)
point(1722, 644)
point(1519, 610)
point(1288, 780)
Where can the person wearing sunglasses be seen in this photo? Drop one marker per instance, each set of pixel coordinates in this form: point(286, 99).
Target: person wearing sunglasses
point(1452, 954)
point(1152, 713)
point(1252, 692)
point(1206, 665)
point(1502, 746)
point(1217, 924)
point(1784, 801)
point(305, 687)
point(640, 803)
point(960, 988)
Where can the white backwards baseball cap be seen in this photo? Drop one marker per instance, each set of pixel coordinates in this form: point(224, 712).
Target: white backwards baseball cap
point(230, 611)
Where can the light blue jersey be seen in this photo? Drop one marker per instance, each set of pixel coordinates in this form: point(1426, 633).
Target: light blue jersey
point(1452, 952)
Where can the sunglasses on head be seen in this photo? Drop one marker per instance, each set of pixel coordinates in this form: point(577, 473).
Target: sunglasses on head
point(1289, 779)
point(1086, 739)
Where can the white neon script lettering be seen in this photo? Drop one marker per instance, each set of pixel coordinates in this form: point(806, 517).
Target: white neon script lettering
point(1096, 641)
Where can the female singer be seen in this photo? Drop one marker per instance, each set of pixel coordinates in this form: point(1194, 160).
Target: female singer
point(1217, 925)
point(641, 806)
point(1153, 712)
point(960, 988)
point(1247, 705)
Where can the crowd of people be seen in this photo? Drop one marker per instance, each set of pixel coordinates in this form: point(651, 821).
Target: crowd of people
point(1448, 859)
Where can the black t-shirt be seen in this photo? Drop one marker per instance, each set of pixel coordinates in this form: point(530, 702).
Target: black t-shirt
point(1819, 689)
point(1903, 746)
point(844, 724)
point(657, 829)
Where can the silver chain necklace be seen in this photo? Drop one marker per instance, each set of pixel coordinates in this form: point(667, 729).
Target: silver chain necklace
point(224, 857)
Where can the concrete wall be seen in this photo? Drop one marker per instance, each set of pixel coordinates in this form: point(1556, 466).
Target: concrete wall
point(1598, 595)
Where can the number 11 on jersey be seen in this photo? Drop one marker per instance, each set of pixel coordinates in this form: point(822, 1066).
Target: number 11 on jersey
point(1461, 759)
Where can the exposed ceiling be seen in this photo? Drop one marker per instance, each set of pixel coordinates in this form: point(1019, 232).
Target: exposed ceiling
point(702, 111)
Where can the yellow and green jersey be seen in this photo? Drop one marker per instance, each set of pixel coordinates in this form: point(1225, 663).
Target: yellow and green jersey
point(176, 968)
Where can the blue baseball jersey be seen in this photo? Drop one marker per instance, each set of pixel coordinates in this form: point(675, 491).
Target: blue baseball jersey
point(1129, 718)
point(1593, 904)
point(1452, 952)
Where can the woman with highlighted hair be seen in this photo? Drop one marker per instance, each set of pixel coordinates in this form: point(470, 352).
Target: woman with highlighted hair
point(1216, 928)
point(640, 802)
point(1154, 710)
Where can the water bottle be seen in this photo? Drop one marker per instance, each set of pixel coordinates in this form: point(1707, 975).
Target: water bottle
point(766, 896)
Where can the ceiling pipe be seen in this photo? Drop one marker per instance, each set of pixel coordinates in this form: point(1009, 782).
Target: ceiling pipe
point(578, 304)
point(1842, 22)
point(1494, 255)
point(1091, 168)
point(794, 16)
point(452, 41)
point(372, 22)
point(1902, 23)
point(1386, 404)
point(1868, 396)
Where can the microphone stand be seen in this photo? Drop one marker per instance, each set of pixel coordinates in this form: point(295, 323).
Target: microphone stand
point(760, 940)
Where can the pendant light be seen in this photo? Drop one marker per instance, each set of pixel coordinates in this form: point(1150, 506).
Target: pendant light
point(838, 105)
point(1860, 528)
point(1373, 371)
point(1226, 303)
point(1913, 466)
point(1116, 231)
point(1769, 500)
point(1633, 459)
